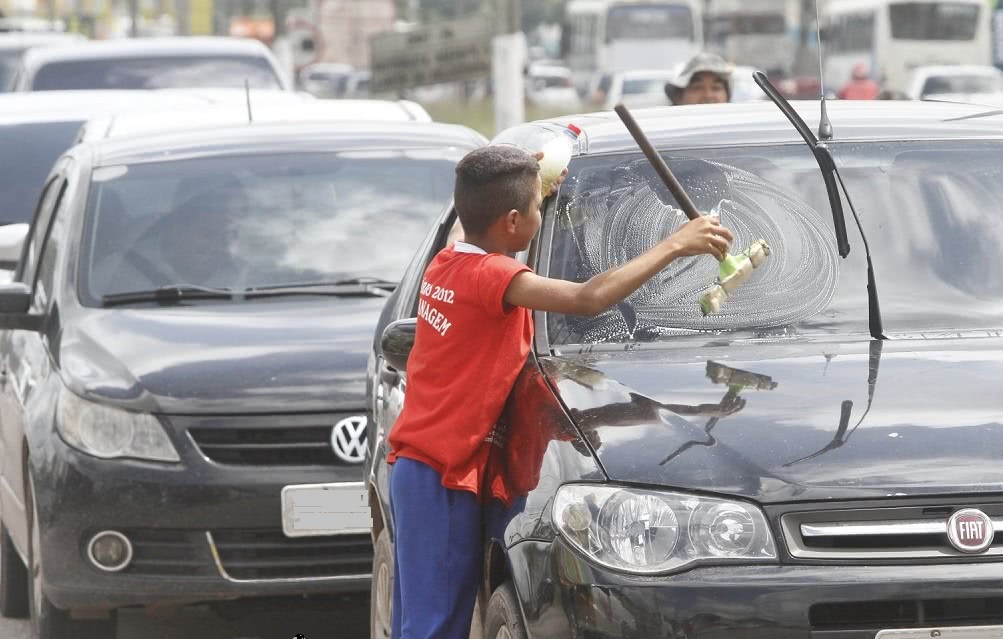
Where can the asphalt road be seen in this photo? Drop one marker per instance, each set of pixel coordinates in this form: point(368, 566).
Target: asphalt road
point(343, 618)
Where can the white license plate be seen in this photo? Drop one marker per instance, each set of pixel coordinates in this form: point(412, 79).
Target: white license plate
point(325, 509)
point(962, 632)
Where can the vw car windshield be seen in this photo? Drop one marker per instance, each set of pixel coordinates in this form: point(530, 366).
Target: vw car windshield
point(930, 211)
point(260, 221)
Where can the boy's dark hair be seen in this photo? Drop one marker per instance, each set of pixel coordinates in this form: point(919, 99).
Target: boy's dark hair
point(490, 182)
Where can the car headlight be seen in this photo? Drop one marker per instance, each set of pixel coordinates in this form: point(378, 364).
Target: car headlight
point(110, 432)
point(650, 532)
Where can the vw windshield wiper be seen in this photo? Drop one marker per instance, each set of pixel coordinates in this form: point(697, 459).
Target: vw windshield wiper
point(345, 287)
point(173, 294)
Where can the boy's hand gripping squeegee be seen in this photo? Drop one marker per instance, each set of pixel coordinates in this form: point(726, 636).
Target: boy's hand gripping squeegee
point(735, 269)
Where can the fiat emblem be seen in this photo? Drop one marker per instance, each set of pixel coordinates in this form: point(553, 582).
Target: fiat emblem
point(970, 530)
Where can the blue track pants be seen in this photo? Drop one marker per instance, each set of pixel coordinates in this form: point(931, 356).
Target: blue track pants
point(437, 554)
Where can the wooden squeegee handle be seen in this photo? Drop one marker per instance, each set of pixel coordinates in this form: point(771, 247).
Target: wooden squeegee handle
point(661, 168)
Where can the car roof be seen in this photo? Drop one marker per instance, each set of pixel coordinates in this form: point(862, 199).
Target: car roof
point(282, 138)
point(142, 122)
point(749, 123)
point(60, 106)
point(646, 73)
point(132, 47)
point(25, 39)
point(957, 69)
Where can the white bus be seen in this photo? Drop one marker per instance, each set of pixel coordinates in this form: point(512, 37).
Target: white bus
point(893, 37)
point(605, 36)
point(760, 33)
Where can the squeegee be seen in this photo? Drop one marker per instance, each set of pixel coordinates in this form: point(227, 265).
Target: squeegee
point(734, 269)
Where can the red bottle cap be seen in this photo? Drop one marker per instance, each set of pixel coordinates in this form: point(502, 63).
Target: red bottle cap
point(574, 129)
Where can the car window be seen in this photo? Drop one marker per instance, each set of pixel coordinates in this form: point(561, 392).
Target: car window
point(9, 61)
point(963, 84)
point(157, 72)
point(23, 171)
point(260, 220)
point(51, 250)
point(27, 270)
point(643, 86)
point(927, 209)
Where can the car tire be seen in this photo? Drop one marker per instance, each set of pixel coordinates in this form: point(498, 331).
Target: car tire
point(13, 579)
point(382, 589)
point(47, 621)
point(503, 619)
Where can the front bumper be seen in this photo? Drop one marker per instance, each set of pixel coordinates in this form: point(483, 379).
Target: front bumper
point(200, 532)
point(565, 596)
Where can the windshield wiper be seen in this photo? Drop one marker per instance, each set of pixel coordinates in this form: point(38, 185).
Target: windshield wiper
point(347, 287)
point(173, 294)
point(830, 174)
point(373, 286)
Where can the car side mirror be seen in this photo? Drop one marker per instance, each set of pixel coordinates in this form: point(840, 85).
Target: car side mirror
point(397, 342)
point(11, 242)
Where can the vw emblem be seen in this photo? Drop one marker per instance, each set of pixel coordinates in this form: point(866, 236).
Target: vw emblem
point(348, 439)
point(970, 530)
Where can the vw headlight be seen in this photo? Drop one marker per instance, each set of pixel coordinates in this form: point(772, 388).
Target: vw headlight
point(110, 432)
point(650, 532)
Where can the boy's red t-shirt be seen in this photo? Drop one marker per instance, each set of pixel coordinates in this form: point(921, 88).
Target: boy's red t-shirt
point(468, 351)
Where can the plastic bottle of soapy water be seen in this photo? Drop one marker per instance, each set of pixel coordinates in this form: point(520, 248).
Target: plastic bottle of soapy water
point(556, 156)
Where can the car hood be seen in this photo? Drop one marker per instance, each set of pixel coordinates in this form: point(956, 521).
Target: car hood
point(779, 423)
point(271, 356)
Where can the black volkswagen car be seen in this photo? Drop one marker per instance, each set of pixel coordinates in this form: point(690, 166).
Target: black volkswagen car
point(184, 344)
point(816, 460)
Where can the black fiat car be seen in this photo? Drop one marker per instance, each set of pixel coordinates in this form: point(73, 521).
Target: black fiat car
point(184, 345)
point(820, 459)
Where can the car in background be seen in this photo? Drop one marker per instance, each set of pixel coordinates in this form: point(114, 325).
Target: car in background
point(743, 87)
point(153, 63)
point(41, 126)
point(315, 111)
point(326, 79)
point(358, 84)
point(214, 294)
point(960, 83)
point(820, 459)
point(14, 44)
point(551, 86)
point(637, 89)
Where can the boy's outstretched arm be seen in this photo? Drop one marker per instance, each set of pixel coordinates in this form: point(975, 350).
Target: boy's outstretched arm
point(703, 236)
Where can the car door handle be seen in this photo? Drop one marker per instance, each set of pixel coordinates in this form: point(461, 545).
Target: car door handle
point(389, 376)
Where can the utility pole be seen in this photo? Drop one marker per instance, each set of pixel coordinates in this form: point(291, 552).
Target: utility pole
point(508, 63)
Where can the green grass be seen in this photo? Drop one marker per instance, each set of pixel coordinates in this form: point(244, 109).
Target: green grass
point(479, 114)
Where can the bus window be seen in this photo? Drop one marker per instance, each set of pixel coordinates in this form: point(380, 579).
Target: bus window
point(639, 22)
point(933, 21)
point(852, 32)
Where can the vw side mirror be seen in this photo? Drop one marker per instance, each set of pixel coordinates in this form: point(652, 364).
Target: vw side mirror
point(11, 241)
point(15, 298)
point(397, 342)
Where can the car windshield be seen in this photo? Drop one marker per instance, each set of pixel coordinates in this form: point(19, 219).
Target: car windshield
point(644, 86)
point(928, 209)
point(939, 84)
point(157, 72)
point(258, 221)
point(34, 148)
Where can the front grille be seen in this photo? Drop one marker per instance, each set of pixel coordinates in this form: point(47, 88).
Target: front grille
point(270, 555)
point(879, 615)
point(255, 442)
point(168, 552)
point(881, 534)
